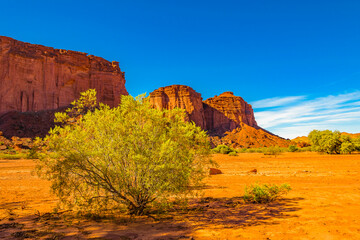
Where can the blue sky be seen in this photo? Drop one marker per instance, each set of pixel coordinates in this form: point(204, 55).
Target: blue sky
point(290, 59)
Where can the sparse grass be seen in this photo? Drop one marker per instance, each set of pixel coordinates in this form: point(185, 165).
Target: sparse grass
point(270, 150)
point(22, 154)
point(12, 156)
point(224, 149)
point(265, 193)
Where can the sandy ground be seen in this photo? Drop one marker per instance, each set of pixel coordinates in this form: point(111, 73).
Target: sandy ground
point(324, 204)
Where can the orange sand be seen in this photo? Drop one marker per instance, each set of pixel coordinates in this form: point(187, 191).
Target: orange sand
point(324, 204)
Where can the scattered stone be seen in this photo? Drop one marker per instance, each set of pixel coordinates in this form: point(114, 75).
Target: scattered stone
point(253, 171)
point(215, 171)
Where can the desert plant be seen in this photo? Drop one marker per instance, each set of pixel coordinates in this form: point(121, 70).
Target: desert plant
point(264, 193)
point(12, 156)
point(232, 154)
point(347, 147)
point(224, 149)
point(325, 141)
point(293, 148)
point(272, 151)
point(129, 156)
point(332, 142)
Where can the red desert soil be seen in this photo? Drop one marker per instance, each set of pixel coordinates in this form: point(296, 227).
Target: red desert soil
point(324, 204)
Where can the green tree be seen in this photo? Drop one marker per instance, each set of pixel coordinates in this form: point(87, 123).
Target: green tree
point(326, 141)
point(347, 144)
point(356, 142)
point(131, 155)
point(293, 148)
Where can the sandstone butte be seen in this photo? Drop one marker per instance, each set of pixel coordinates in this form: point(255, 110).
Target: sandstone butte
point(36, 81)
point(37, 78)
point(227, 118)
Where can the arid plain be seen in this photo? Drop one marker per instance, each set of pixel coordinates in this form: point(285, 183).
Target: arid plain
point(324, 203)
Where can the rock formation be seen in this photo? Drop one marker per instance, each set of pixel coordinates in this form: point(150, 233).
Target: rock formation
point(226, 112)
point(35, 77)
point(180, 96)
point(246, 136)
point(36, 81)
point(227, 118)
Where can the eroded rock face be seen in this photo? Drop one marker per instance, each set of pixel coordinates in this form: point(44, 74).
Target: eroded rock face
point(228, 119)
point(180, 96)
point(35, 77)
point(226, 112)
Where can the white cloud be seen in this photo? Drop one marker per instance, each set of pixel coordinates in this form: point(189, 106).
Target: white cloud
point(296, 116)
point(276, 101)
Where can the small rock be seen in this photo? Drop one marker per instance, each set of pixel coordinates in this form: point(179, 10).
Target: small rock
point(215, 171)
point(253, 171)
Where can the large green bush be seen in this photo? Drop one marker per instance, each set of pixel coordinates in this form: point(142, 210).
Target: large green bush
point(131, 155)
point(332, 142)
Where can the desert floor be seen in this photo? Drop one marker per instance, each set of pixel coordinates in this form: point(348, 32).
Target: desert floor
point(324, 204)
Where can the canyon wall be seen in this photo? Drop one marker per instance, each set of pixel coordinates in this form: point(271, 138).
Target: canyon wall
point(35, 77)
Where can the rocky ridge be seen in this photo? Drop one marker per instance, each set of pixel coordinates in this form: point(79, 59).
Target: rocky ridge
point(227, 118)
point(36, 81)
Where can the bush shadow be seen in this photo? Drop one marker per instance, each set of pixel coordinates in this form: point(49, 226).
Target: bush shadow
point(178, 223)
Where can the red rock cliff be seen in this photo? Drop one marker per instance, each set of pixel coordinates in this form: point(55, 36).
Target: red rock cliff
point(34, 77)
point(226, 112)
point(180, 96)
point(227, 118)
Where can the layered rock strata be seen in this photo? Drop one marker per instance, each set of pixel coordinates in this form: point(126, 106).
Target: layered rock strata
point(226, 112)
point(227, 118)
point(35, 77)
point(180, 96)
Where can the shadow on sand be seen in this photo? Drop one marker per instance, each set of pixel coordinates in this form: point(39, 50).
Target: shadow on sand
point(178, 224)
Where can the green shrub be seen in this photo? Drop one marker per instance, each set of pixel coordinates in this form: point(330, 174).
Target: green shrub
point(293, 148)
point(242, 150)
point(305, 149)
point(32, 154)
point(130, 156)
point(272, 151)
point(232, 154)
point(332, 142)
point(265, 193)
point(222, 149)
point(12, 156)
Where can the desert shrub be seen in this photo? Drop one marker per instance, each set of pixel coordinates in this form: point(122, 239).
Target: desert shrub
point(325, 141)
point(232, 154)
point(305, 149)
point(130, 156)
point(13, 156)
point(347, 147)
point(32, 153)
point(222, 149)
point(356, 142)
point(242, 150)
point(257, 193)
point(272, 151)
point(332, 142)
point(293, 148)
